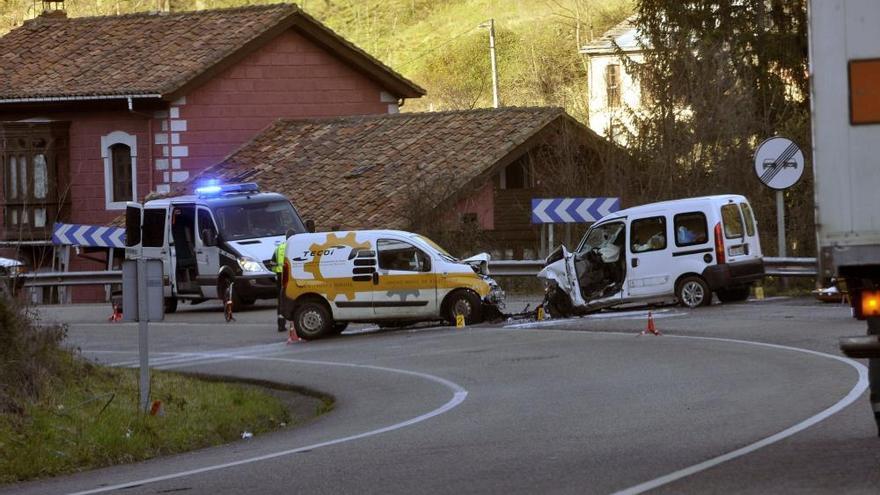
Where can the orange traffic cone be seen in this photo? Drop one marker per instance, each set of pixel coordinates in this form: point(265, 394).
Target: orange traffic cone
point(292, 336)
point(651, 328)
point(117, 313)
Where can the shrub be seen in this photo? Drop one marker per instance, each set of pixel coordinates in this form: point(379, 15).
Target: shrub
point(30, 356)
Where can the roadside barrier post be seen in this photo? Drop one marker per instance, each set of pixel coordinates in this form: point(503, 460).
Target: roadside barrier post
point(540, 315)
point(459, 321)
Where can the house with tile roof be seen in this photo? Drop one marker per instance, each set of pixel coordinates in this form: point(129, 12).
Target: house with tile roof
point(98, 111)
point(612, 89)
point(422, 171)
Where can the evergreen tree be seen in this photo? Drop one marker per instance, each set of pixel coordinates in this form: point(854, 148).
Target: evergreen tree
point(719, 77)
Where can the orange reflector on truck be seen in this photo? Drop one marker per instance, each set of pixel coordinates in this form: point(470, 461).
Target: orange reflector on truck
point(870, 303)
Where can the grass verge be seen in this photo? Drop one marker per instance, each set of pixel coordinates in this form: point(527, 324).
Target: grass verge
point(88, 418)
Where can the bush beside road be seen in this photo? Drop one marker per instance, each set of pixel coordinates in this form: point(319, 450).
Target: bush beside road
point(59, 413)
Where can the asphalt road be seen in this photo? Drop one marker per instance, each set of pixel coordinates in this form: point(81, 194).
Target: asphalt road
point(743, 398)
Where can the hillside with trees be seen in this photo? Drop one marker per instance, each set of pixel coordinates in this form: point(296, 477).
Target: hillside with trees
point(438, 44)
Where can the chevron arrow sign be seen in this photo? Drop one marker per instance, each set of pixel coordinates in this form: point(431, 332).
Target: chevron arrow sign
point(572, 210)
point(66, 234)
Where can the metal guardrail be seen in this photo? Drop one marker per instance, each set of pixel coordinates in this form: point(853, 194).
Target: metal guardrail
point(776, 267)
point(49, 279)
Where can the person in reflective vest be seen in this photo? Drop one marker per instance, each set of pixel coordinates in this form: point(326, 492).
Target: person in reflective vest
point(279, 269)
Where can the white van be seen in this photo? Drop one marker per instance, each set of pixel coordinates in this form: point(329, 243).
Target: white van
point(683, 250)
point(390, 276)
point(222, 235)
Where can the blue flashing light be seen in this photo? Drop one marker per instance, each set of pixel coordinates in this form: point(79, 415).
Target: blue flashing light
point(208, 190)
point(213, 188)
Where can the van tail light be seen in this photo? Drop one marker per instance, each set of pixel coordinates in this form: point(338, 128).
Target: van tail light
point(285, 274)
point(719, 245)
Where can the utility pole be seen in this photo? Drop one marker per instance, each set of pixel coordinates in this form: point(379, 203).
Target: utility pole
point(491, 25)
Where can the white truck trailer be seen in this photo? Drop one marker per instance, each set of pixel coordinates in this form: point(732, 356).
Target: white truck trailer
point(844, 42)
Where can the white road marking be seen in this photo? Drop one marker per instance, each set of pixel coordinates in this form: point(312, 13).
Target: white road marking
point(857, 390)
point(614, 315)
point(459, 395)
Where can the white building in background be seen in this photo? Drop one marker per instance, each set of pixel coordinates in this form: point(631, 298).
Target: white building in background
point(612, 91)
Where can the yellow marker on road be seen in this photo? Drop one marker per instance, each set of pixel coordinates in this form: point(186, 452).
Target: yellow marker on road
point(459, 321)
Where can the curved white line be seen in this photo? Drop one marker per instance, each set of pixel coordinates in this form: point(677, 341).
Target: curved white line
point(459, 394)
point(857, 390)
point(851, 397)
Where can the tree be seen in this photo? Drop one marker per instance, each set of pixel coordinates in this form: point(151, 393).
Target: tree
point(718, 77)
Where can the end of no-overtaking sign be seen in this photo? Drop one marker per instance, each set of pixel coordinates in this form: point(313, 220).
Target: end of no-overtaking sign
point(779, 163)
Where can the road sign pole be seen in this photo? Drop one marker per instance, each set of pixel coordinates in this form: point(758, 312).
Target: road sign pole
point(543, 253)
point(780, 223)
point(143, 329)
point(550, 228)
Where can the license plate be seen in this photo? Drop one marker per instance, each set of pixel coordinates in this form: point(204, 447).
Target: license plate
point(737, 250)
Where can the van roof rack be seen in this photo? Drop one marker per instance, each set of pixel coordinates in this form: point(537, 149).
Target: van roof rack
point(215, 190)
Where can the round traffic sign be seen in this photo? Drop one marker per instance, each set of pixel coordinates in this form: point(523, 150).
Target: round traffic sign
point(779, 163)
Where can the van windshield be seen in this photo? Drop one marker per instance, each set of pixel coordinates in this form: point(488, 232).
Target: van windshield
point(443, 253)
point(264, 219)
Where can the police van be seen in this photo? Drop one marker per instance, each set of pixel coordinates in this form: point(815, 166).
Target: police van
point(221, 236)
point(332, 278)
point(684, 250)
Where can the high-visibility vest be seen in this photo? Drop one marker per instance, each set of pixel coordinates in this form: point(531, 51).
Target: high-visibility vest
point(279, 256)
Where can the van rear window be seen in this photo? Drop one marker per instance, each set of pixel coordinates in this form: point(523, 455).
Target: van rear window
point(154, 227)
point(750, 219)
point(733, 224)
point(690, 229)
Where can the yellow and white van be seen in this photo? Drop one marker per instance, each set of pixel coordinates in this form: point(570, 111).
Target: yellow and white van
point(333, 278)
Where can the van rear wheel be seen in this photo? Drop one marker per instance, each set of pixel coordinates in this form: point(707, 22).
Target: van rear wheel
point(170, 304)
point(312, 320)
point(693, 292)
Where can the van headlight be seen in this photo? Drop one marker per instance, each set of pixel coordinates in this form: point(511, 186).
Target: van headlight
point(250, 265)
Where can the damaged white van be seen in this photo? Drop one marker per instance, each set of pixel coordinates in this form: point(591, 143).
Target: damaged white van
point(682, 250)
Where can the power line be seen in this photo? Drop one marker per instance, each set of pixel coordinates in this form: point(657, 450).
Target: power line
point(429, 50)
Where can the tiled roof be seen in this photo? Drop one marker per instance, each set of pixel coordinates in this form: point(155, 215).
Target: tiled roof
point(624, 34)
point(365, 172)
point(155, 53)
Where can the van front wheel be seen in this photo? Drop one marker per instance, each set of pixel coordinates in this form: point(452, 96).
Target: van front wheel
point(693, 292)
point(312, 320)
point(463, 303)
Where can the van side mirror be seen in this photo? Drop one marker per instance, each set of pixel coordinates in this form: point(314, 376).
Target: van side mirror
point(310, 225)
point(209, 237)
point(133, 214)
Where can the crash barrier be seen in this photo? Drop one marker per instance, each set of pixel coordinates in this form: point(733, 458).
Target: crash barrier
point(776, 267)
point(48, 279)
point(773, 267)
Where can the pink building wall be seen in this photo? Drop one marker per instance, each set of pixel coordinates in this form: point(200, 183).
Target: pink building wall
point(290, 77)
point(481, 203)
